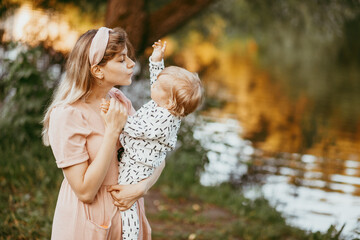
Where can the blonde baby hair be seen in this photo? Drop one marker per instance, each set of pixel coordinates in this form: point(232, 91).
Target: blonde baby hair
point(186, 92)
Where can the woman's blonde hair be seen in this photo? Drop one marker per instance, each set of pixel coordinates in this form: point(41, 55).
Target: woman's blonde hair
point(186, 91)
point(79, 81)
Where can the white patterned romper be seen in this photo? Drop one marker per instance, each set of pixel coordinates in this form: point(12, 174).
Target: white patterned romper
point(146, 137)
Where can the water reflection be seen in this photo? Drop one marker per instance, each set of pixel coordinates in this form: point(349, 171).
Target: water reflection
point(296, 184)
point(221, 137)
point(277, 122)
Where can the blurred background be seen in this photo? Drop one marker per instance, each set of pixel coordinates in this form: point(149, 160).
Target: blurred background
point(272, 154)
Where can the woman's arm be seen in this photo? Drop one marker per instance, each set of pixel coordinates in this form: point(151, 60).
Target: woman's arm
point(126, 195)
point(85, 179)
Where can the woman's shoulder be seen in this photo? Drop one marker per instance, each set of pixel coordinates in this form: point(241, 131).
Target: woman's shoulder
point(64, 111)
point(64, 108)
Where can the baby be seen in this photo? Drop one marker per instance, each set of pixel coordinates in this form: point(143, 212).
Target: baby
point(152, 130)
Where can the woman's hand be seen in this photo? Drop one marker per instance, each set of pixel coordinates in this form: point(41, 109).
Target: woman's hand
point(126, 195)
point(115, 117)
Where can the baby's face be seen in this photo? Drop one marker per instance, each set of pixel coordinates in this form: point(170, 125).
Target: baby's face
point(160, 91)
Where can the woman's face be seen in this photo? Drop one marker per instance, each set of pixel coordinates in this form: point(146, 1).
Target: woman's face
point(119, 70)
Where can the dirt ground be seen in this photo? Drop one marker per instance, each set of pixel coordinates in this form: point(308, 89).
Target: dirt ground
point(185, 218)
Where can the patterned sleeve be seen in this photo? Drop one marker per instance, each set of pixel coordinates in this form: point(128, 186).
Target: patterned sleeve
point(155, 69)
point(154, 127)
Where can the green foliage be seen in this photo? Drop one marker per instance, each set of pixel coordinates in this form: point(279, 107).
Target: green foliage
point(29, 178)
point(331, 234)
point(311, 46)
point(25, 90)
point(29, 183)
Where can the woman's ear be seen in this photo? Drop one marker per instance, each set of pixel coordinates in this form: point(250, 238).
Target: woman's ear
point(97, 72)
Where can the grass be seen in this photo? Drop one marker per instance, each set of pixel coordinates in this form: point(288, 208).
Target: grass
point(30, 182)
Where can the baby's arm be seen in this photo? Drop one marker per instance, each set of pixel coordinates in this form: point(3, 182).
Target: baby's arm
point(156, 60)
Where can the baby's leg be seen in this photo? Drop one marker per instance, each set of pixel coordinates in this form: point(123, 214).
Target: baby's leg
point(129, 174)
point(130, 223)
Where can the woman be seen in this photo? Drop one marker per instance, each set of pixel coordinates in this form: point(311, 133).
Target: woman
point(85, 141)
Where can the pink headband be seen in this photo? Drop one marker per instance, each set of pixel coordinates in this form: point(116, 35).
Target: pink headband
point(98, 45)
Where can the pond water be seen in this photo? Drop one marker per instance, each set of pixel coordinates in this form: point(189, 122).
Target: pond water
point(292, 182)
point(282, 121)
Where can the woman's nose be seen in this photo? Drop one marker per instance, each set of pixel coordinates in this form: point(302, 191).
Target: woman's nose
point(131, 63)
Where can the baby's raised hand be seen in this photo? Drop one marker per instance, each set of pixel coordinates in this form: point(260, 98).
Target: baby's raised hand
point(158, 51)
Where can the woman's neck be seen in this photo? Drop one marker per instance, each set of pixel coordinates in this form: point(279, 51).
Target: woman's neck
point(97, 94)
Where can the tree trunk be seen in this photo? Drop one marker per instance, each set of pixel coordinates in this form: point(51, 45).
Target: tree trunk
point(131, 16)
point(144, 27)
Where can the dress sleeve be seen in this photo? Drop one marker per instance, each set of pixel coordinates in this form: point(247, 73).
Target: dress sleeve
point(116, 93)
point(67, 135)
point(155, 68)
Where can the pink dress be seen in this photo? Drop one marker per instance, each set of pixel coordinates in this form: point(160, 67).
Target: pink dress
point(75, 134)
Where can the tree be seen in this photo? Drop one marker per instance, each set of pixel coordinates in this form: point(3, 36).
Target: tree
point(144, 21)
point(145, 26)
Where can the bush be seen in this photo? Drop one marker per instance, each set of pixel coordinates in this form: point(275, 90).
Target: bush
point(25, 90)
point(29, 178)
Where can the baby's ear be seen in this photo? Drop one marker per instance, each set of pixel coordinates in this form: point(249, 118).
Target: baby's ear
point(170, 105)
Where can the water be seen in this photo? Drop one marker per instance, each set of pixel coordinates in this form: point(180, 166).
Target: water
point(290, 181)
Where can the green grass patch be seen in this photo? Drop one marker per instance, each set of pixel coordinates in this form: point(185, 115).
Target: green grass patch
point(29, 183)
